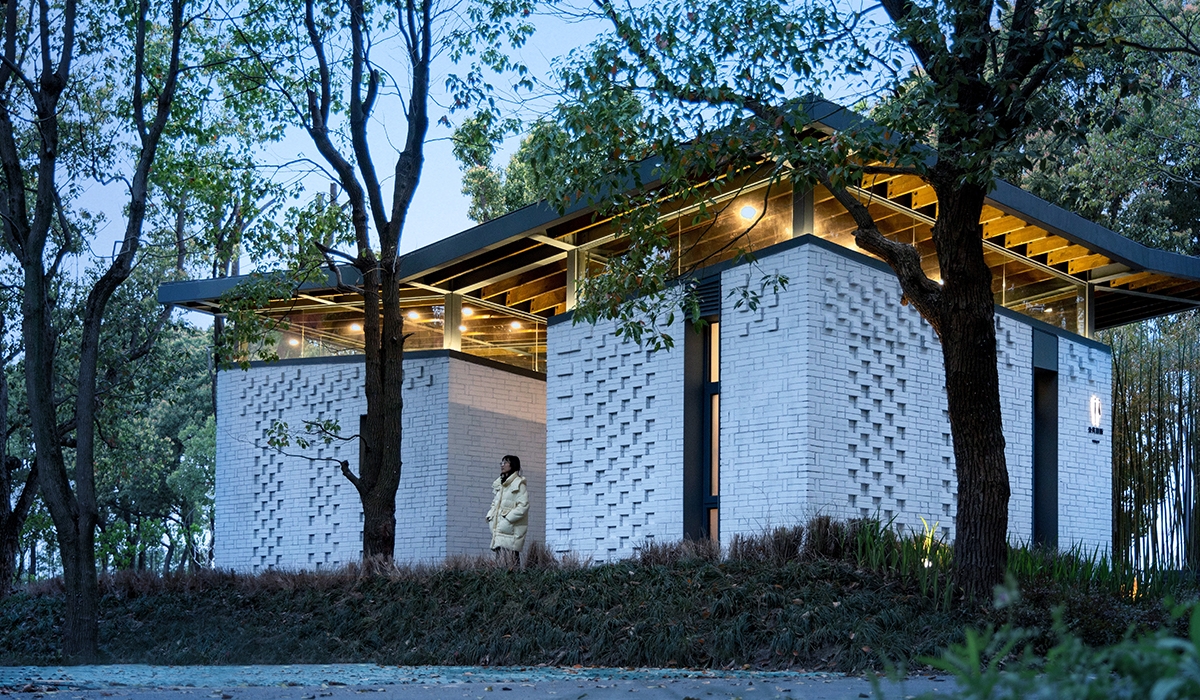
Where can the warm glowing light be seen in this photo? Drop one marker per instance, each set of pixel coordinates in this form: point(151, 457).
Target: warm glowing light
point(414, 315)
point(516, 325)
point(748, 212)
point(356, 327)
point(1049, 310)
point(467, 311)
point(462, 329)
point(293, 342)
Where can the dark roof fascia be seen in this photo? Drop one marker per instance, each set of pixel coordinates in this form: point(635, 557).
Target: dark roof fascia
point(497, 232)
point(194, 290)
point(1017, 202)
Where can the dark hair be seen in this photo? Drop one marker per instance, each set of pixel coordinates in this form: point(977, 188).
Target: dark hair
point(513, 461)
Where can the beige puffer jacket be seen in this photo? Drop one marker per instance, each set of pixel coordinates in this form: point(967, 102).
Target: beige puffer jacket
point(509, 515)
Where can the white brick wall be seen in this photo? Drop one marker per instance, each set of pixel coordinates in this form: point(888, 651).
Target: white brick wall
point(1084, 459)
point(614, 437)
point(421, 519)
point(492, 414)
point(833, 402)
point(276, 511)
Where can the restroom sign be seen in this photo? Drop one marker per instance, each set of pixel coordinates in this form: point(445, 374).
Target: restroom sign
point(1095, 413)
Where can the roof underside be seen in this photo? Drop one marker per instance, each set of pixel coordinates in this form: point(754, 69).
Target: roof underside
point(512, 273)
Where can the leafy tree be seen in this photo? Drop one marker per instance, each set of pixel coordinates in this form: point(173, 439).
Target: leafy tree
point(155, 453)
point(85, 92)
point(18, 477)
point(324, 59)
point(719, 82)
point(493, 191)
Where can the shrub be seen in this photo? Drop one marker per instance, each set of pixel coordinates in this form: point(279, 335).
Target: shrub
point(995, 664)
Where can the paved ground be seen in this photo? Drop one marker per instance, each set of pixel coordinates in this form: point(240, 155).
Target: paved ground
point(344, 681)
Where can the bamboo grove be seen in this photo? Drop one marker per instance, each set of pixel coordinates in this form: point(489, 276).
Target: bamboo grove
point(1156, 442)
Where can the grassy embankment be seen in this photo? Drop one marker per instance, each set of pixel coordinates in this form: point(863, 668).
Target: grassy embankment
point(828, 595)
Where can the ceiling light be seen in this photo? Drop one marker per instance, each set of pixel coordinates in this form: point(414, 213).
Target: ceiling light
point(516, 325)
point(748, 212)
point(414, 315)
point(356, 327)
point(467, 311)
point(293, 342)
point(1049, 310)
point(462, 329)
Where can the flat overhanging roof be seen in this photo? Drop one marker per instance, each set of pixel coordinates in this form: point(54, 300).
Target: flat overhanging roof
point(1038, 253)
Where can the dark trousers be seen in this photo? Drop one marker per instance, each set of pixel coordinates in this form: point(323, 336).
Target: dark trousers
point(508, 557)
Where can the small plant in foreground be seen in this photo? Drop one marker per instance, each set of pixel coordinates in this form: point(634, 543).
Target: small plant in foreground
point(1158, 666)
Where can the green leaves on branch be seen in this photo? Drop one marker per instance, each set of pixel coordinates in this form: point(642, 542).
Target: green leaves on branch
point(280, 434)
point(248, 335)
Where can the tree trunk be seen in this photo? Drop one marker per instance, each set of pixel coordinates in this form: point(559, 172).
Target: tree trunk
point(968, 335)
point(80, 632)
point(10, 543)
point(380, 473)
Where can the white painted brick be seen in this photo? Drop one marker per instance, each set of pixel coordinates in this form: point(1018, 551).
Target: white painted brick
point(614, 436)
point(279, 511)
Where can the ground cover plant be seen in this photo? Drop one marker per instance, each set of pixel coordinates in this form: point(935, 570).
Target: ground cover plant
point(830, 596)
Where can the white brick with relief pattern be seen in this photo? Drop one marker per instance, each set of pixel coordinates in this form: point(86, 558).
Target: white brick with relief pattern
point(292, 512)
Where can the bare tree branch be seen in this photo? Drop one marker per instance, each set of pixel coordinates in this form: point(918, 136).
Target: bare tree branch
point(904, 259)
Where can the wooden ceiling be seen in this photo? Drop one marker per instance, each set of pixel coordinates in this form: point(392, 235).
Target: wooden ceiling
point(523, 278)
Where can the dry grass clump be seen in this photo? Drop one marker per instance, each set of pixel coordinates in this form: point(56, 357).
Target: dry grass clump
point(778, 546)
point(659, 553)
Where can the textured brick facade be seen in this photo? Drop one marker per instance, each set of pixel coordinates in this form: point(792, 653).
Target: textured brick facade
point(614, 437)
point(832, 402)
point(280, 511)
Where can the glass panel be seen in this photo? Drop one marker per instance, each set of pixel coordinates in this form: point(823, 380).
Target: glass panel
point(714, 524)
point(714, 352)
point(1037, 293)
point(301, 341)
point(727, 229)
point(501, 336)
point(332, 329)
point(714, 446)
point(750, 221)
point(425, 322)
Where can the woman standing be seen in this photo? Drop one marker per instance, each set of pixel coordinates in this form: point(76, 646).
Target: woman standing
point(509, 515)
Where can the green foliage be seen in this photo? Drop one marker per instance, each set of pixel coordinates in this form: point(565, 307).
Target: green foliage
point(1156, 441)
point(157, 457)
point(326, 431)
point(526, 179)
point(1000, 664)
point(1131, 157)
